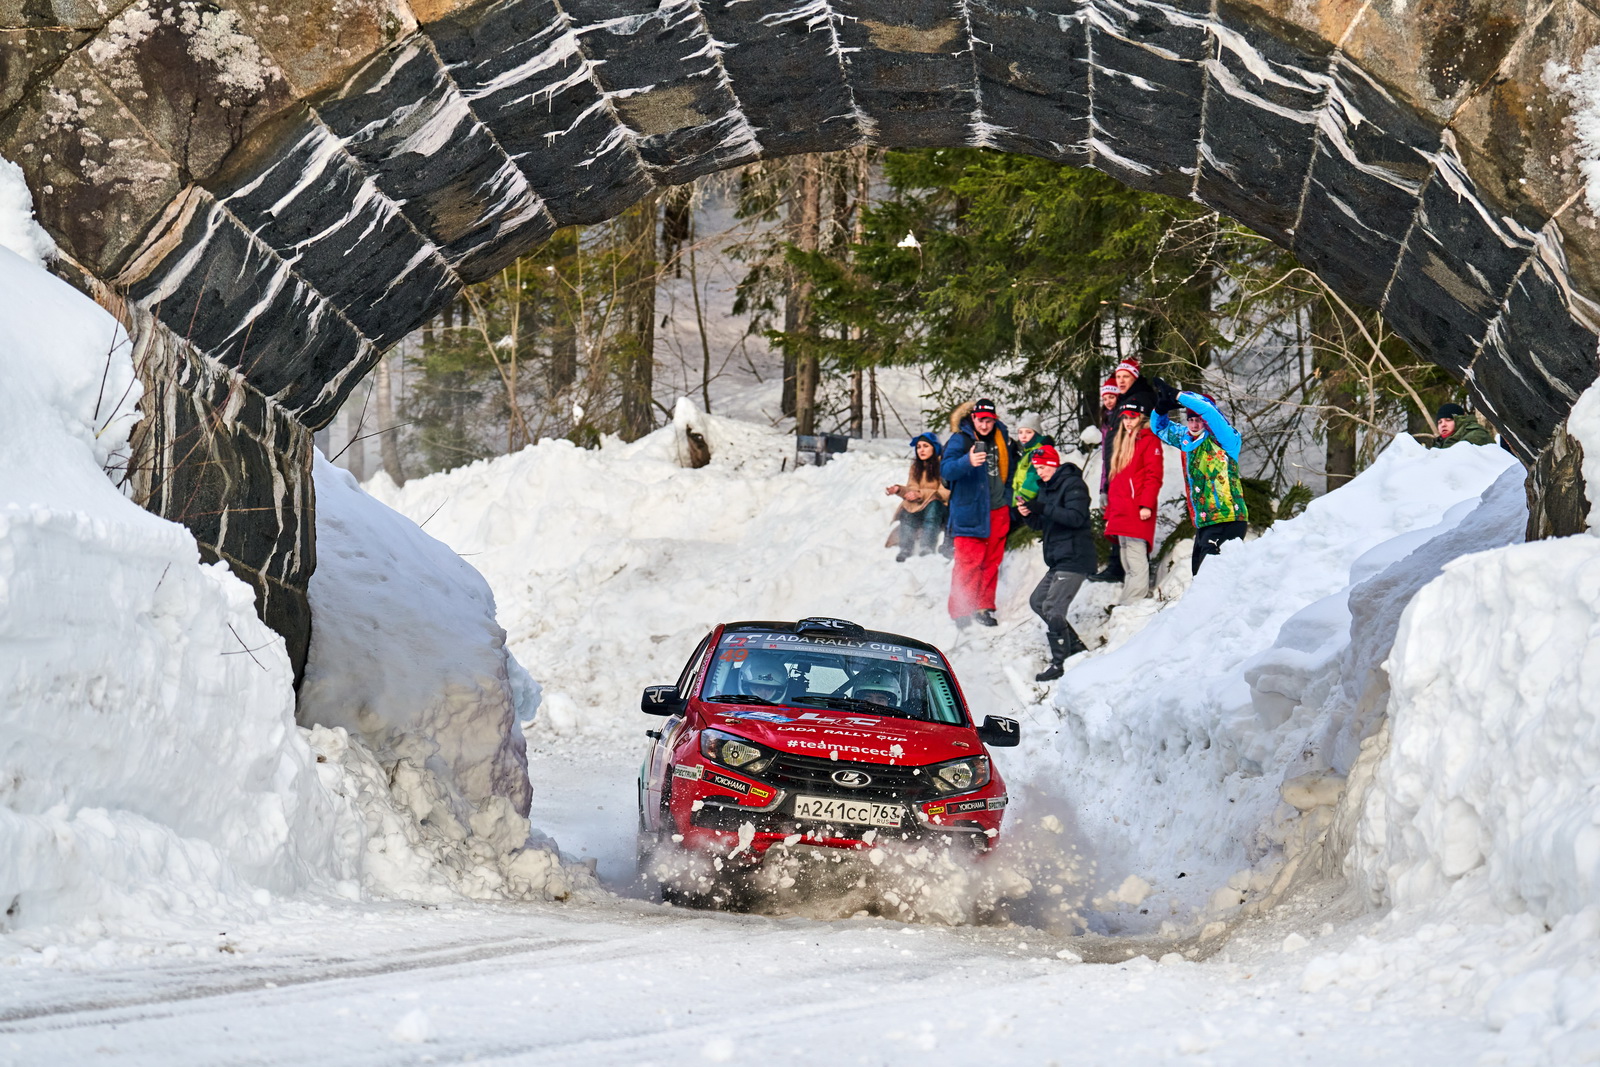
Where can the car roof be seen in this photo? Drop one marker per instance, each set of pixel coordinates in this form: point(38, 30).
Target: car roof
point(794, 627)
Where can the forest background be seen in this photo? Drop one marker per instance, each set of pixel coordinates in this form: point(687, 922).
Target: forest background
point(868, 293)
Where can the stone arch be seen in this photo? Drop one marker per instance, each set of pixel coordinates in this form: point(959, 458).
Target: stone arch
point(271, 195)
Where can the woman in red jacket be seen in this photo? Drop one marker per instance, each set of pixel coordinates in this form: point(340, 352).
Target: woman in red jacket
point(1132, 491)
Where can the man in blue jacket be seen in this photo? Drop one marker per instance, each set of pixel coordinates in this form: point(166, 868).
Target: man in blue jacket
point(977, 465)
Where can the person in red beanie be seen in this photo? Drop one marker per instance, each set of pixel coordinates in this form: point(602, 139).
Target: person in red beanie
point(1061, 514)
point(1132, 492)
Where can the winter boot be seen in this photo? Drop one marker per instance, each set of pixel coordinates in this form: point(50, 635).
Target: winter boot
point(904, 554)
point(1058, 654)
point(986, 617)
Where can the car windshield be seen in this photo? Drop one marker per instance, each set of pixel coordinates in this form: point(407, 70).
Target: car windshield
point(854, 674)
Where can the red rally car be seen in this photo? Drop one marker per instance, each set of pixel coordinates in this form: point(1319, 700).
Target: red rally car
point(818, 732)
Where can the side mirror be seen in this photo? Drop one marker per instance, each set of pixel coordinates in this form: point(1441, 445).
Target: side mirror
point(999, 733)
point(661, 700)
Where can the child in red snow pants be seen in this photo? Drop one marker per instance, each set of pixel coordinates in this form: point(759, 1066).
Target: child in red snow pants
point(977, 567)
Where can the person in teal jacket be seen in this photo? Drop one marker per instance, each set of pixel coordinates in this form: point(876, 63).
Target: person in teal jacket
point(1210, 447)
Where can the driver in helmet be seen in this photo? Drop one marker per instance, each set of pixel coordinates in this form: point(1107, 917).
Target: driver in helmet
point(766, 676)
point(877, 686)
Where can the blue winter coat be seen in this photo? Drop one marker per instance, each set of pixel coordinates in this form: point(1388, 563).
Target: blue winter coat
point(969, 485)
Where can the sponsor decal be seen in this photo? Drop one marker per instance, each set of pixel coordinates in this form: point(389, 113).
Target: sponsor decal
point(935, 809)
point(759, 793)
point(692, 773)
point(834, 747)
point(759, 716)
point(727, 783)
point(996, 803)
point(968, 805)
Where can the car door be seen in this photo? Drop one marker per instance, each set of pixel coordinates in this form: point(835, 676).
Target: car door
point(659, 759)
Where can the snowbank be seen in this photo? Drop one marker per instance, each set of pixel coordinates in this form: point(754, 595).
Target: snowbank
point(151, 764)
point(1174, 747)
point(1493, 769)
point(406, 655)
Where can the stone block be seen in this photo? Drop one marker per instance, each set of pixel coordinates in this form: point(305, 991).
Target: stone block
point(1033, 76)
point(1371, 162)
point(1538, 356)
point(1147, 87)
point(193, 78)
point(523, 72)
point(53, 14)
point(409, 126)
point(317, 43)
point(98, 179)
point(1516, 137)
point(910, 67)
point(662, 74)
point(1433, 53)
point(1459, 261)
point(29, 56)
point(314, 206)
point(224, 291)
point(786, 74)
point(235, 469)
point(1267, 85)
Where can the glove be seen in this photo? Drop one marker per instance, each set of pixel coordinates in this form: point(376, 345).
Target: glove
point(1166, 396)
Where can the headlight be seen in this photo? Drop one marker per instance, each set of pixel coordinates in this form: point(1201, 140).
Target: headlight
point(731, 751)
point(962, 775)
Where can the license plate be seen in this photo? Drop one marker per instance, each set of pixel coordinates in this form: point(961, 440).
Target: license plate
point(860, 812)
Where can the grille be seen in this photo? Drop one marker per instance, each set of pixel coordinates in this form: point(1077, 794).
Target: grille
point(807, 774)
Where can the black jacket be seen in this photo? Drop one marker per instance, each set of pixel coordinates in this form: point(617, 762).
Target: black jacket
point(1061, 513)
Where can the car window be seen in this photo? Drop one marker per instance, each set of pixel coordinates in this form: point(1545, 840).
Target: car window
point(686, 680)
point(857, 675)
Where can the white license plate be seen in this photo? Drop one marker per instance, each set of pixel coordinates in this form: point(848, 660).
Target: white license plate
point(860, 812)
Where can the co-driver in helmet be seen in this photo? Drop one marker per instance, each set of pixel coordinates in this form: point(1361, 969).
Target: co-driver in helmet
point(877, 686)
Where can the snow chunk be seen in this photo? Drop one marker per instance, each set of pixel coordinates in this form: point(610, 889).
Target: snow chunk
point(18, 230)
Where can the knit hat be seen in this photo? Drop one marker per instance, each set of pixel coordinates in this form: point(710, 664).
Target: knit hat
point(1450, 411)
point(1046, 456)
point(1135, 405)
point(1027, 420)
point(1130, 365)
point(1109, 386)
point(983, 407)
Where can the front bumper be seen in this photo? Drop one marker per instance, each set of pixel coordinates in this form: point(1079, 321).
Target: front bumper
point(711, 807)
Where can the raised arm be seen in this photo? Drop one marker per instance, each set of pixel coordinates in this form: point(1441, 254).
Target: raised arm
point(1220, 427)
point(1166, 429)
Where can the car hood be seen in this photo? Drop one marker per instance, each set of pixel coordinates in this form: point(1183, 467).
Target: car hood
point(857, 738)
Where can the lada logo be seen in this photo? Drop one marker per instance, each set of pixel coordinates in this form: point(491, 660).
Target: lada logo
point(851, 779)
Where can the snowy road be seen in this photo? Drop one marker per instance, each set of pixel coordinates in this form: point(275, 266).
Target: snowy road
point(629, 982)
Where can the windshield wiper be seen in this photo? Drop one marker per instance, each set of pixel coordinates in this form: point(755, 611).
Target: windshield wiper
point(742, 698)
